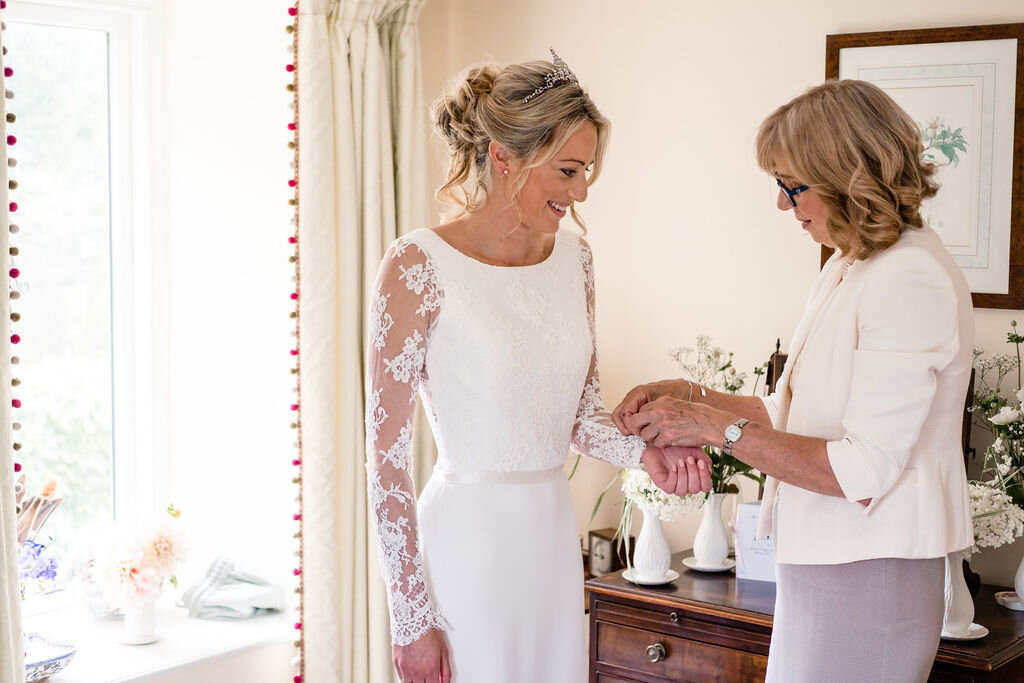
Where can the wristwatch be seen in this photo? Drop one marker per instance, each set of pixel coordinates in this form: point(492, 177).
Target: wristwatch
point(732, 434)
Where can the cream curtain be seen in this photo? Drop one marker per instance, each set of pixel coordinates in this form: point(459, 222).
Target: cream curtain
point(12, 664)
point(362, 183)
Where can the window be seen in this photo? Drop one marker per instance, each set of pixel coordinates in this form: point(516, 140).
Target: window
point(88, 367)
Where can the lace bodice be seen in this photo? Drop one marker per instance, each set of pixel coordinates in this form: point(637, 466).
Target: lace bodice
point(505, 363)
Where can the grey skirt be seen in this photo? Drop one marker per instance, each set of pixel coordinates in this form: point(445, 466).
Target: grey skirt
point(871, 621)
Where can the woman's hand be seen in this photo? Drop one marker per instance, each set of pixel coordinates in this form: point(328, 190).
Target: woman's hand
point(424, 660)
point(681, 471)
point(636, 398)
point(669, 421)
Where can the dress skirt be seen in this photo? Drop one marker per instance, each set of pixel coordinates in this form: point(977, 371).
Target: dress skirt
point(872, 621)
point(504, 568)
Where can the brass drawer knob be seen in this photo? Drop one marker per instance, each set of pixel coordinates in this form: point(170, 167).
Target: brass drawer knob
point(656, 653)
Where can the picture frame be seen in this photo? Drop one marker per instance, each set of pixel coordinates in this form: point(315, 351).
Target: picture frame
point(964, 86)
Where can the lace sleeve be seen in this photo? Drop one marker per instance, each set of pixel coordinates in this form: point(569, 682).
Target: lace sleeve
point(594, 434)
point(403, 306)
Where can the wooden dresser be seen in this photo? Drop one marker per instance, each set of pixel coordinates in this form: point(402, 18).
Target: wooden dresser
point(713, 627)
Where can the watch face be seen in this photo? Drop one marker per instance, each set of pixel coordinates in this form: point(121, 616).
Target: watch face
point(600, 556)
point(732, 432)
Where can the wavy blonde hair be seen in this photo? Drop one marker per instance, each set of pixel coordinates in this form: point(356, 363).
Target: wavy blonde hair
point(485, 103)
point(860, 153)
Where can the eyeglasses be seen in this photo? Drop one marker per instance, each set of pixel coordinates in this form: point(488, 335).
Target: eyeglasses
point(791, 194)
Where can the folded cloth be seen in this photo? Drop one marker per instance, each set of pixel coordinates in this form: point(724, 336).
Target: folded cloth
point(226, 592)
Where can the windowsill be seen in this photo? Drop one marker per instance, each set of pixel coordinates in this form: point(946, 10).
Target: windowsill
point(184, 642)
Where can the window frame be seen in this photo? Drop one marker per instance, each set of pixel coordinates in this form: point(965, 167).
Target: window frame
point(139, 248)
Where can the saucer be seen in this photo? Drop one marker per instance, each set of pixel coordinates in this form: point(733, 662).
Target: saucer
point(691, 563)
point(630, 575)
point(1010, 600)
point(974, 631)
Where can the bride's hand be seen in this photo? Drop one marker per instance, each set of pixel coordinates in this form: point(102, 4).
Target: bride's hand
point(677, 469)
point(425, 660)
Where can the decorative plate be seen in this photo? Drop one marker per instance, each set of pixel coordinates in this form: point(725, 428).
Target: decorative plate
point(973, 632)
point(44, 657)
point(691, 563)
point(631, 576)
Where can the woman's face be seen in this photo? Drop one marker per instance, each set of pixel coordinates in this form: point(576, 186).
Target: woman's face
point(553, 187)
point(809, 209)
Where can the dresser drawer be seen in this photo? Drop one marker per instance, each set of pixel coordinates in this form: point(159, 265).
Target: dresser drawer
point(688, 624)
point(622, 649)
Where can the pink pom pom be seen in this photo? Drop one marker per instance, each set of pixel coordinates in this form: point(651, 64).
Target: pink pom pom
point(289, 68)
point(15, 339)
point(295, 352)
point(297, 679)
point(291, 126)
point(297, 517)
point(292, 240)
point(14, 272)
point(13, 206)
point(293, 11)
point(17, 465)
point(16, 402)
point(11, 140)
point(293, 182)
point(295, 296)
point(3, 4)
point(8, 71)
point(295, 406)
point(296, 462)
point(296, 571)
point(298, 625)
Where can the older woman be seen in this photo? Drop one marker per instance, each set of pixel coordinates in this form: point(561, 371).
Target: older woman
point(861, 440)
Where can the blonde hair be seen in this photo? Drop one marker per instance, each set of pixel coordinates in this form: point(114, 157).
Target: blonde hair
point(860, 153)
point(485, 103)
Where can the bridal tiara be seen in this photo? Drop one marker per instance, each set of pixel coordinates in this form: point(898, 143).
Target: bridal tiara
point(560, 74)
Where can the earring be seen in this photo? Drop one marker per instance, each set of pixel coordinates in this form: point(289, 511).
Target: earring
point(504, 171)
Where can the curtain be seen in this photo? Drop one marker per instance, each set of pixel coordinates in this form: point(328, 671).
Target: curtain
point(361, 184)
point(12, 665)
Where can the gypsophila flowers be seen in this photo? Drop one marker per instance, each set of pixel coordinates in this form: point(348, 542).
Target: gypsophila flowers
point(997, 521)
point(639, 490)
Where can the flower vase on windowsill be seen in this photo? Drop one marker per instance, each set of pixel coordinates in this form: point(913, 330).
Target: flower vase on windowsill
point(130, 567)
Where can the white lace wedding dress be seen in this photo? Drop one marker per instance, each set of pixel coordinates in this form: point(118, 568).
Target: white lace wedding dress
point(503, 358)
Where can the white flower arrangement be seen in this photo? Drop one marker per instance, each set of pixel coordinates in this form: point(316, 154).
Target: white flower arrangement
point(640, 491)
point(128, 565)
point(997, 521)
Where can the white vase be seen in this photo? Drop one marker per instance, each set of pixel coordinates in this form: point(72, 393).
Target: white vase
point(139, 625)
point(959, 612)
point(1018, 580)
point(651, 557)
point(711, 545)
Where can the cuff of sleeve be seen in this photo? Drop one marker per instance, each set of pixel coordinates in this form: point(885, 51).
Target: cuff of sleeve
point(849, 468)
point(771, 405)
point(638, 446)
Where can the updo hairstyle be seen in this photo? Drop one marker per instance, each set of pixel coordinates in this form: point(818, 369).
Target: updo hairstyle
point(861, 155)
point(485, 103)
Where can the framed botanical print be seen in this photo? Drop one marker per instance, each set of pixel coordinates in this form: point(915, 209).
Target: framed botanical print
point(964, 87)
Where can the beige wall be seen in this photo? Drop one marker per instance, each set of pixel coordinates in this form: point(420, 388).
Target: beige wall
point(685, 234)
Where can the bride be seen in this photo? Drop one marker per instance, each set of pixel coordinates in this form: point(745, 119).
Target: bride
point(490, 318)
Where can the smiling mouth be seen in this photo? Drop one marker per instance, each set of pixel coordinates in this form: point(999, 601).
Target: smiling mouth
point(558, 208)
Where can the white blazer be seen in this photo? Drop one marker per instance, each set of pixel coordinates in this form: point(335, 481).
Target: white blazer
point(879, 367)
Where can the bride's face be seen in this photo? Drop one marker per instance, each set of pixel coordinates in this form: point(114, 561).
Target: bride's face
point(551, 188)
